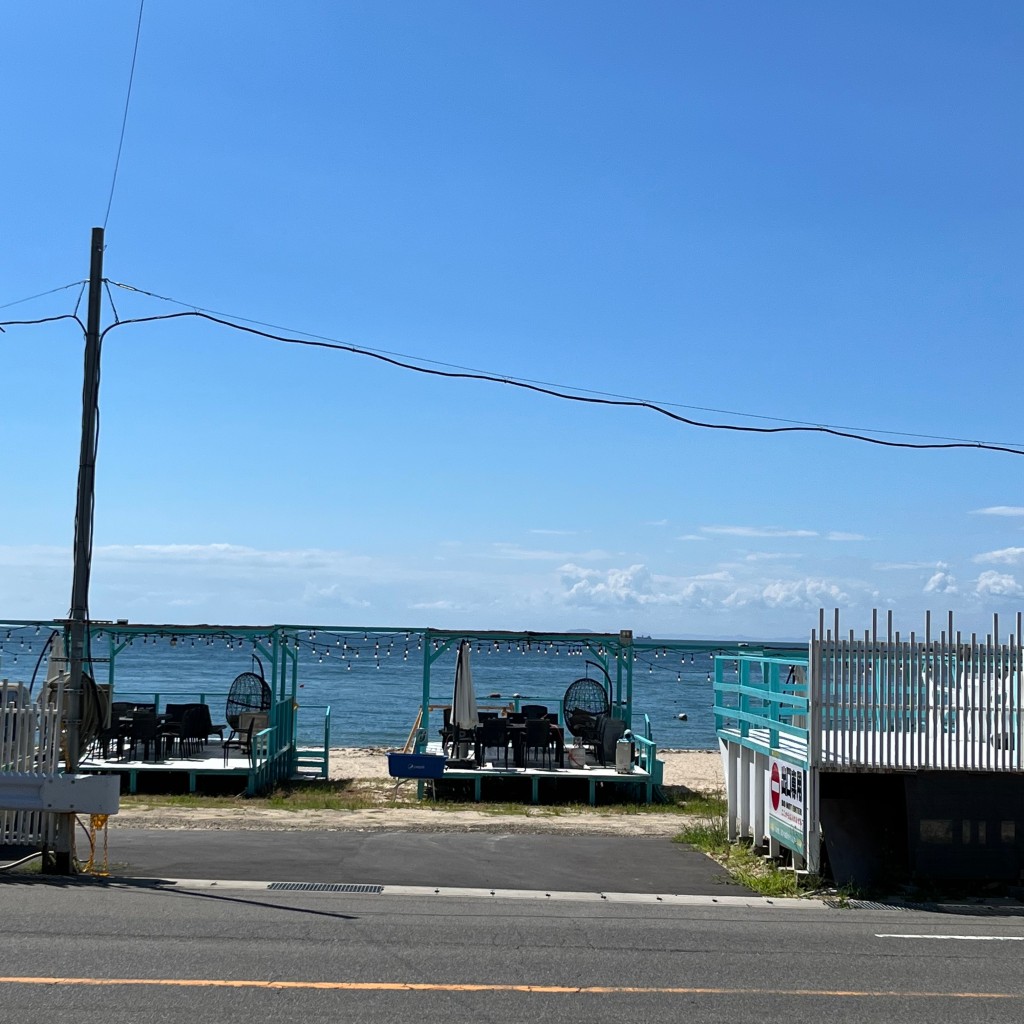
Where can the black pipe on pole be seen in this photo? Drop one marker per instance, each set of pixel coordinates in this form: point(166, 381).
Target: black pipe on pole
point(79, 618)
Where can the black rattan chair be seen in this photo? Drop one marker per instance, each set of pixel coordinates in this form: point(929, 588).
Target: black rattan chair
point(492, 732)
point(585, 701)
point(537, 739)
point(249, 692)
point(208, 725)
point(249, 723)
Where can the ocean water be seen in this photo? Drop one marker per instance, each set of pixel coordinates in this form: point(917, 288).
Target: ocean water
point(373, 682)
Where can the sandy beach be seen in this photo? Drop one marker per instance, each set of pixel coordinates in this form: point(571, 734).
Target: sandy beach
point(696, 770)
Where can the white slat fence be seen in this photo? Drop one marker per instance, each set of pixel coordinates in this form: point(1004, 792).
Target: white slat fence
point(30, 733)
point(937, 701)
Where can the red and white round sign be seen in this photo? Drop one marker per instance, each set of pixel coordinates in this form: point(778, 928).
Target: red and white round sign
point(776, 786)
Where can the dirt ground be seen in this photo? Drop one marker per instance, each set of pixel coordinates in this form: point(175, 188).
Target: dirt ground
point(695, 770)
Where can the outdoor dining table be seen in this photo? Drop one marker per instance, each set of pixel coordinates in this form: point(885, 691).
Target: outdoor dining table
point(517, 734)
point(125, 722)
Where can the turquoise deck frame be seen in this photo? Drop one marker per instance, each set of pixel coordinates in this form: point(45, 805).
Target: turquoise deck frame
point(761, 710)
point(275, 756)
point(612, 652)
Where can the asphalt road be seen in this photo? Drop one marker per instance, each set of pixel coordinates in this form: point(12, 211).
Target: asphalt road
point(571, 863)
point(89, 953)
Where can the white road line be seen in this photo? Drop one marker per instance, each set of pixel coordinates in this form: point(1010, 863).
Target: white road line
point(540, 895)
point(959, 938)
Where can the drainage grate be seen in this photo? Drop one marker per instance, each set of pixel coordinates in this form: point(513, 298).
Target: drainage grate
point(374, 890)
point(863, 905)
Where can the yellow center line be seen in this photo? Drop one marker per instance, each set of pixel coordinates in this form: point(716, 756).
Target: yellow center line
point(417, 986)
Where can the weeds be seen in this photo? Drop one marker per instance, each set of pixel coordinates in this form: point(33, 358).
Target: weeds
point(710, 834)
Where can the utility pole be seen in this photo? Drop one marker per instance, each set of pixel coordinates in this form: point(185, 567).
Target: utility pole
point(78, 624)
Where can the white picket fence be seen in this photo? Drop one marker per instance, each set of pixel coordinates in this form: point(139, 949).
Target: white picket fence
point(937, 700)
point(30, 734)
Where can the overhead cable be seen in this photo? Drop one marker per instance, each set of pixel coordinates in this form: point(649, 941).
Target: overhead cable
point(124, 119)
point(505, 378)
point(39, 295)
point(555, 393)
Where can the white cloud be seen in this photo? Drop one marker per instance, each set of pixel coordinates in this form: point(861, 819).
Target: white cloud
point(554, 533)
point(997, 584)
point(657, 522)
point(1004, 556)
point(941, 583)
point(802, 594)
point(840, 536)
point(634, 586)
point(767, 556)
point(999, 510)
point(691, 536)
point(757, 531)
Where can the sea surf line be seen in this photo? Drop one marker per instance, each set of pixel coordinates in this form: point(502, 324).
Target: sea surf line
point(415, 986)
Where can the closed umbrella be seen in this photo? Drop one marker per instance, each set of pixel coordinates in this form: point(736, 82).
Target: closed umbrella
point(464, 718)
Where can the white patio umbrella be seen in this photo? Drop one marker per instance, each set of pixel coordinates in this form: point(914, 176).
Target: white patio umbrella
point(463, 700)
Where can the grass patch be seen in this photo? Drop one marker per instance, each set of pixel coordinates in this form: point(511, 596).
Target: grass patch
point(320, 795)
point(710, 834)
point(365, 794)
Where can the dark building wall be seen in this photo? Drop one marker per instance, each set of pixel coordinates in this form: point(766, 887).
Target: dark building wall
point(966, 825)
point(941, 826)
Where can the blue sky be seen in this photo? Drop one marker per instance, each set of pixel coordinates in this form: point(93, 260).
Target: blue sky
point(793, 210)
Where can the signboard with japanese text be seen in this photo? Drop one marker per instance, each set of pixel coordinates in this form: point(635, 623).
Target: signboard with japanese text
point(787, 808)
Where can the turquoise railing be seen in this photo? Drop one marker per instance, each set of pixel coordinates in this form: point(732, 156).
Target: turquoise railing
point(764, 704)
point(647, 753)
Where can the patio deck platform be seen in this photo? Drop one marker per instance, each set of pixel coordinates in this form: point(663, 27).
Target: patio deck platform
point(177, 772)
point(536, 774)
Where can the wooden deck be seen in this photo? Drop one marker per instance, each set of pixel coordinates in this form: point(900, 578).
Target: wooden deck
point(537, 774)
point(250, 773)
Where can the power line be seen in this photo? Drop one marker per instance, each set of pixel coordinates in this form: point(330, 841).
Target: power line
point(52, 291)
point(554, 393)
point(40, 320)
point(614, 399)
point(124, 119)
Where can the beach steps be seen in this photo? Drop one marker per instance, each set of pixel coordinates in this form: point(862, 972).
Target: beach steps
point(311, 763)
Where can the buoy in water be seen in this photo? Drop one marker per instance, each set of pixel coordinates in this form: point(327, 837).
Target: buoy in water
point(681, 716)
point(492, 696)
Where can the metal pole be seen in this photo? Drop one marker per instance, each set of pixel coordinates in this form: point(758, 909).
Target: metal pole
point(78, 624)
